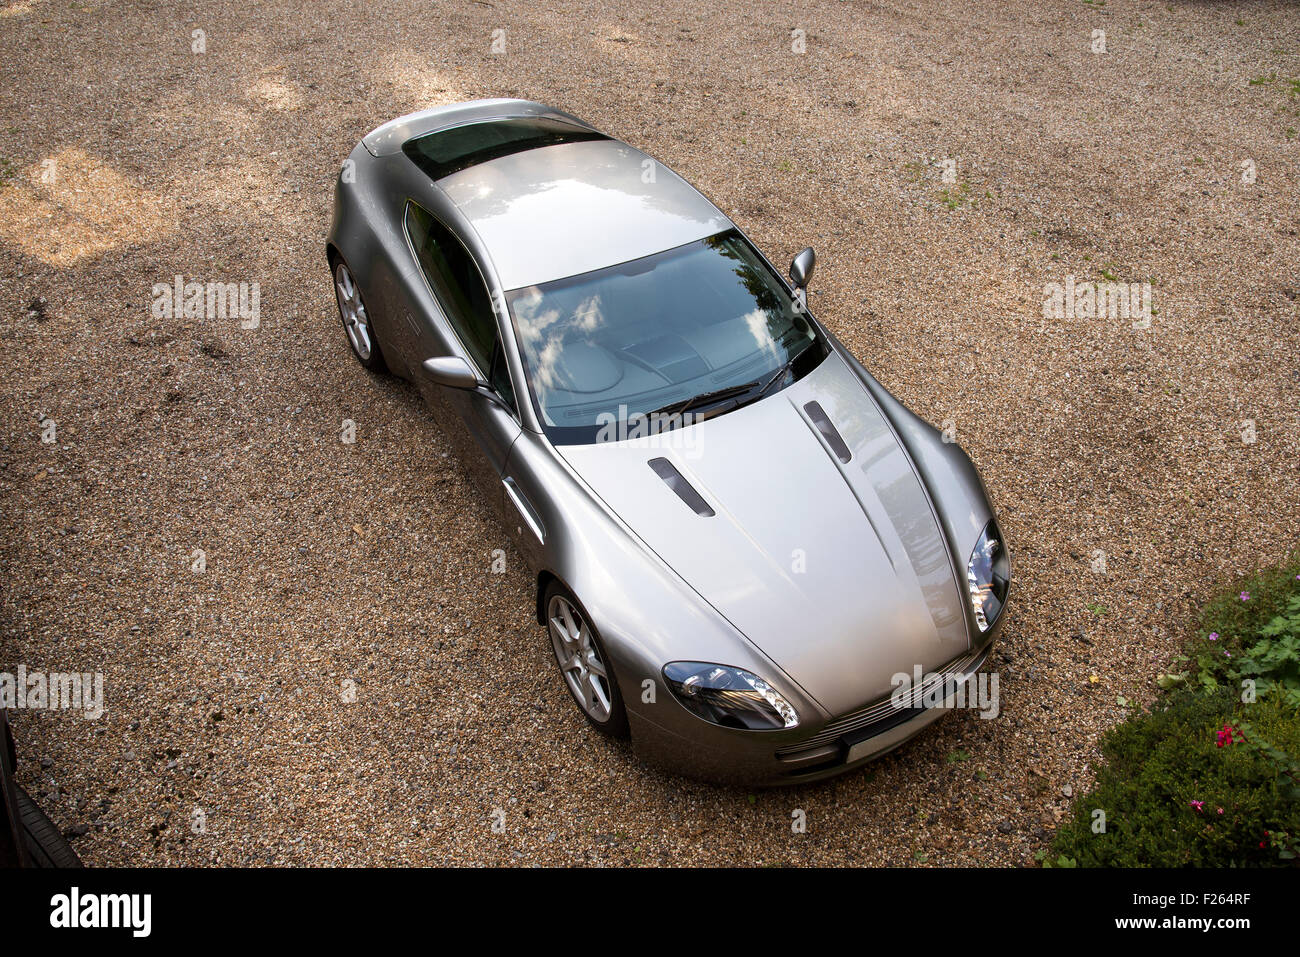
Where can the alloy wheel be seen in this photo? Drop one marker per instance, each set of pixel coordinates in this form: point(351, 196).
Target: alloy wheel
point(355, 320)
point(583, 668)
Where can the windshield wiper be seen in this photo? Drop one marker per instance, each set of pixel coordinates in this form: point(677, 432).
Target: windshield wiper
point(780, 373)
point(704, 398)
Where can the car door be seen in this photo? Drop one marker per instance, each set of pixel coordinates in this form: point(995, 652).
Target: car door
point(486, 421)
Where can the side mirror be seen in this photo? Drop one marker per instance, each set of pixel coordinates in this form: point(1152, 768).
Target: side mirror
point(451, 371)
point(801, 268)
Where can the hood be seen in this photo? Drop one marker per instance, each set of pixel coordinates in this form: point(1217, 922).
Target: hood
point(821, 547)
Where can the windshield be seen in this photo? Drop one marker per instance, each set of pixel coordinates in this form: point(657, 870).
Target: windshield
point(657, 332)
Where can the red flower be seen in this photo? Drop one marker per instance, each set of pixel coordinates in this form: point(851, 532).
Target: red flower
point(1226, 736)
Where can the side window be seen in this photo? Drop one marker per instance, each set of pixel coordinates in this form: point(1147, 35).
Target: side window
point(456, 281)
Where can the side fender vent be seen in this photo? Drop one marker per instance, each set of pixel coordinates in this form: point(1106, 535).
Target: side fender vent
point(684, 489)
point(828, 431)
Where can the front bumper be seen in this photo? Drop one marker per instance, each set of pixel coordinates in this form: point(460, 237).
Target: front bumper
point(772, 759)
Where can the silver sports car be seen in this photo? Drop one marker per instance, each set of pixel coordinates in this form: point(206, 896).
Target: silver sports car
point(744, 547)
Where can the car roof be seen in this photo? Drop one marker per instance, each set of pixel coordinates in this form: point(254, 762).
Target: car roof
point(561, 210)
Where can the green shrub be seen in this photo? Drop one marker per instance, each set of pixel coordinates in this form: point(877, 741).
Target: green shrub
point(1274, 660)
point(1205, 779)
point(1176, 792)
point(1230, 627)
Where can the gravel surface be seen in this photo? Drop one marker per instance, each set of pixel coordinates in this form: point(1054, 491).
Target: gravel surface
point(370, 562)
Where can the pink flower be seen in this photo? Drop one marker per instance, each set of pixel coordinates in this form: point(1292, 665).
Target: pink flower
point(1220, 810)
point(1245, 596)
point(1214, 636)
point(1198, 805)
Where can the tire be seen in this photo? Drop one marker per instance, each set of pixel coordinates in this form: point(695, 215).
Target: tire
point(608, 716)
point(44, 845)
point(358, 328)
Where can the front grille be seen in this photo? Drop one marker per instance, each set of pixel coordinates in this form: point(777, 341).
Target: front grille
point(885, 708)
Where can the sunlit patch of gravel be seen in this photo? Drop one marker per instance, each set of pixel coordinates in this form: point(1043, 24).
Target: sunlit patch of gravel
point(367, 566)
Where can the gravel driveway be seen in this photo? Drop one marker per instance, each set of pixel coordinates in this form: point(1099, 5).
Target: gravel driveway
point(180, 512)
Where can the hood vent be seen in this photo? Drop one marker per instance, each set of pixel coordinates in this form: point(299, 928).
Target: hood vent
point(684, 489)
point(832, 436)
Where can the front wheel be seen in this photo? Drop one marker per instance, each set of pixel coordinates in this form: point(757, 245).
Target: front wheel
point(584, 663)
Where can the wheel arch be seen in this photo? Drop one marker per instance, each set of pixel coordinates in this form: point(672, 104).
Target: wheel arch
point(544, 579)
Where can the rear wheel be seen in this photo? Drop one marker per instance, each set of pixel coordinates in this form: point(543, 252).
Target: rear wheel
point(356, 320)
point(45, 846)
point(584, 664)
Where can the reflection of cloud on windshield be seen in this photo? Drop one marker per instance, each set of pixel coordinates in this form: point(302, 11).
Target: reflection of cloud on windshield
point(547, 360)
point(588, 316)
point(758, 322)
point(534, 328)
point(544, 333)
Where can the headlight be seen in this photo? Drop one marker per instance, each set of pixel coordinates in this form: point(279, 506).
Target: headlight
point(729, 696)
point(986, 576)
